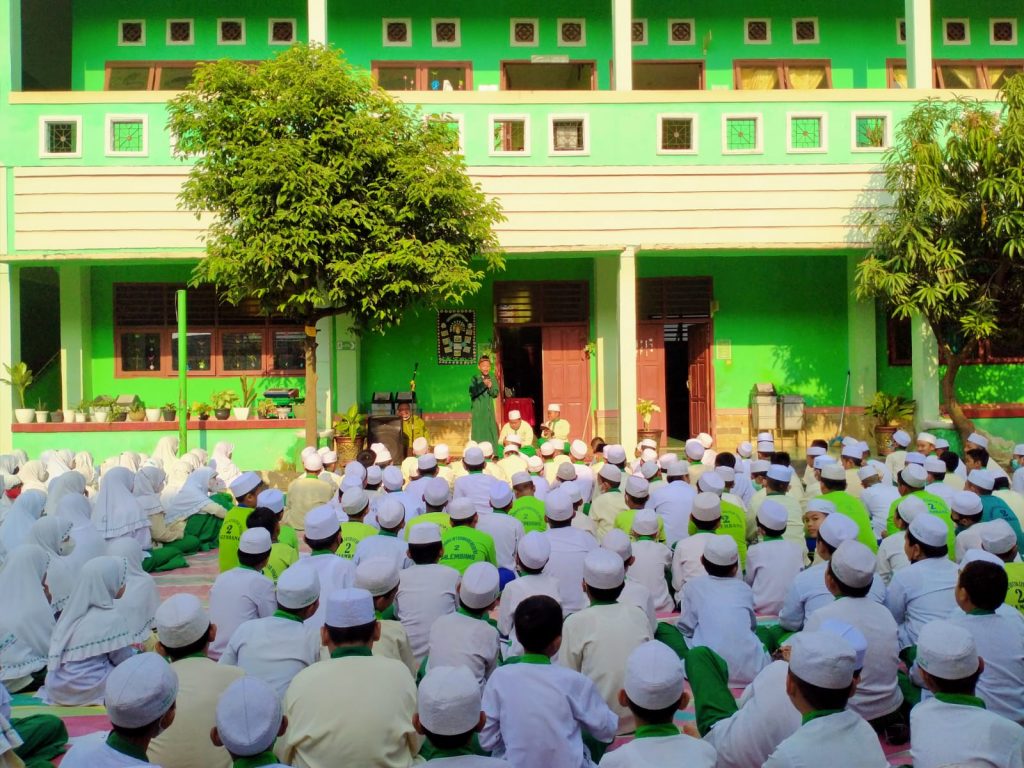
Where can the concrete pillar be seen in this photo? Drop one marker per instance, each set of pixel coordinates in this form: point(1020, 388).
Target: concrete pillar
point(10, 347)
point(10, 33)
point(919, 43)
point(860, 321)
point(622, 45)
point(925, 373)
point(346, 364)
point(316, 20)
point(75, 333)
point(626, 302)
point(606, 288)
point(324, 370)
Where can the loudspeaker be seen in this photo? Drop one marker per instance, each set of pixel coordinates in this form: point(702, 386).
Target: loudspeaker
point(387, 430)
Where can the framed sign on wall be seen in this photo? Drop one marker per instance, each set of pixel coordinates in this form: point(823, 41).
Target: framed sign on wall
point(456, 336)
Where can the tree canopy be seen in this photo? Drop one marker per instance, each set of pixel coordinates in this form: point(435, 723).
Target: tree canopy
point(950, 243)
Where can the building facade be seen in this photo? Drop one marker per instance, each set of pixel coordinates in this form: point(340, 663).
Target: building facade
point(682, 186)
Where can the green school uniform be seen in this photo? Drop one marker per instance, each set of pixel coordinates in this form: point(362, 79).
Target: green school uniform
point(230, 534)
point(529, 510)
point(351, 534)
point(464, 546)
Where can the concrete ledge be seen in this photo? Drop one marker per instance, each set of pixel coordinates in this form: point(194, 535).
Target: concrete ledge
point(159, 426)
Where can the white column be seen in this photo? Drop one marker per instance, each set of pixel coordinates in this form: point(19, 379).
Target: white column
point(316, 19)
point(75, 333)
point(346, 356)
point(10, 347)
point(627, 349)
point(860, 322)
point(919, 43)
point(622, 45)
point(925, 373)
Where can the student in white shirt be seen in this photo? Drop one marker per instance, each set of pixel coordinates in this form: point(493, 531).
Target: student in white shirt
point(469, 638)
point(897, 460)
point(652, 560)
point(381, 578)
point(569, 547)
point(249, 720)
point(426, 589)
point(242, 593)
point(503, 528)
point(390, 518)
point(892, 555)
point(706, 517)
point(935, 468)
point(323, 537)
point(877, 497)
point(607, 506)
point(531, 557)
point(774, 563)
point(954, 727)
point(448, 714)
point(673, 501)
point(633, 593)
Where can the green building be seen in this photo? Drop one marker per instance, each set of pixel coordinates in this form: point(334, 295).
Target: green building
point(682, 185)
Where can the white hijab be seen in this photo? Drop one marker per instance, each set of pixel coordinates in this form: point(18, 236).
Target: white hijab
point(86, 468)
point(88, 543)
point(130, 461)
point(149, 481)
point(33, 476)
point(70, 483)
point(20, 456)
point(27, 508)
point(50, 533)
point(166, 451)
point(90, 624)
point(141, 599)
point(193, 496)
point(117, 511)
point(60, 463)
point(27, 614)
point(222, 461)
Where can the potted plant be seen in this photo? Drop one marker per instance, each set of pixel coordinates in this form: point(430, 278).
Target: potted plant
point(82, 412)
point(118, 413)
point(68, 415)
point(102, 408)
point(349, 433)
point(153, 414)
point(223, 402)
point(283, 411)
point(646, 410)
point(42, 412)
point(202, 411)
point(169, 411)
point(57, 417)
point(19, 376)
point(241, 413)
point(266, 409)
point(137, 412)
point(888, 411)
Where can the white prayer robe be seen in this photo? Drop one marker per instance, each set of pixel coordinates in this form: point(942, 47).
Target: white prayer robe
point(273, 649)
point(334, 572)
point(653, 560)
point(673, 502)
point(877, 499)
point(517, 590)
point(476, 487)
point(585, 480)
point(569, 548)
point(945, 734)
point(686, 564)
point(1000, 642)
point(920, 593)
point(394, 644)
point(635, 593)
point(896, 461)
point(892, 556)
point(794, 515)
point(809, 593)
point(92, 751)
point(604, 509)
point(771, 568)
point(506, 532)
point(459, 640)
point(541, 486)
point(425, 593)
point(844, 740)
point(235, 597)
point(681, 750)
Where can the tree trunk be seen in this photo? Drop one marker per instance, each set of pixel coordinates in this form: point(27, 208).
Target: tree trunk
point(961, 423)
point(311, 415)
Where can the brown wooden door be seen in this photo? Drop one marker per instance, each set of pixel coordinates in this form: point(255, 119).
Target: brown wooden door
point(650, 371)
point(567, 376)
point(700, 379)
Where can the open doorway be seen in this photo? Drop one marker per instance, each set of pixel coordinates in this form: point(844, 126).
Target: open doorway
point(522, 369)
point(548, 76)
point(677, 393)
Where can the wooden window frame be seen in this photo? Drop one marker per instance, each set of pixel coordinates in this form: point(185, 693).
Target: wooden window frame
point(891, 327)
point(981, 67)
point(890, 66)
point(700, 62)
point(782, 67)
point(504, 72)
point(537, 289)
point(983, 355)
point(155, 67)
point(422, 67)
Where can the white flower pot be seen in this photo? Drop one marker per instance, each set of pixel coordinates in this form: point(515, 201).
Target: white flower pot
point(81, 417)
point(152, 414)
point(240, 414)
point(42, 417)
point(24, 415)
point(100, 415)
point(69, 416)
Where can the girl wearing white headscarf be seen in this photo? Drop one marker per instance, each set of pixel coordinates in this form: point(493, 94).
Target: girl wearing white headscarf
point(88, 543)
point(130, 461)
point(194, 497)
point(117, 512)
point(33, 476)
point(20, 456)
point(221, 459)
point(86, 468)
point(148, 483)
point(27, 615)
point(27, 508)
point(54, 536)
point(177, 474)
point(141, 599)
point(68, 484)
point(90, 638)
point(60, 462)
point(166, 451)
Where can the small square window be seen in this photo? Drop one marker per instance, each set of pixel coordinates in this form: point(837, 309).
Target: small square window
point(131, 32)
point(807, 133)
point(60, 137)
point(572, 32)
point(281, 31)
point(956, 32)
point(569, 135)
point(680, 32)
point(179, 32)
point(126, 136)
point(447, 33)
point(638, 32)
point(231, 31)
point(1003, 31)
point(758, 31)
point(523, 32)
point(742, 135)
point(805, 31)
point(677, 135)
point(901, 31)
point(870, 133)
point(397, 32)
point(510, 135)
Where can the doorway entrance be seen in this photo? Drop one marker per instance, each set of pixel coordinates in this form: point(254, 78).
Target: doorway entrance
point(548, 76)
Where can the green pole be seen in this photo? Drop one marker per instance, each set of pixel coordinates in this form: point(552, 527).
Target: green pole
point(182, 376)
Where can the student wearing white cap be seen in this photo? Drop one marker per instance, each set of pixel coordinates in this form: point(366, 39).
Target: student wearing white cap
point(535, 467)
point(420, 447)
point(532, 556)
point(814, 450)
point(307, 491)
point(281, 555)
point(923, 591)
point(935, 469)
point(491, 466)
point(611, 501)
point(502, 527)
point(277, 647)
point(718, 612)
point(475, 485)
point(355, 506)
point(391, 482)
point(246, 489)
point(820, 682)
point(734, 518)
point(911, 482)
point(777, 483)
point(140, 697)
point(517, 426)
point(694, 451)
point(892, 555)
point(242, 593)
point(425, 468)
point(636, 491)
point(977, 441)
point(463, 543)
point(852, 459)
point(555, 427)
point(654, 689)
point(877, 497)
point(449, 713)
point(249, 720)
point(633, 592)
point(273, 499)
point(388, 543)
point(834, 489)
point(527, 508)
point(381, 578)
point(982, 482)
point(897, 459)
point(372, 724)
point(584, 473)
point(469, 637)
point(323, 536)
point(579, 519)
point(673, 501)
point(426, 590)
point(966, 515)
point(706, 518)
point(774, 562)
point(597, 640)
point(184, 631)
point(652, 560)
point(954, 727)
point(569, 547)
point(512, 460)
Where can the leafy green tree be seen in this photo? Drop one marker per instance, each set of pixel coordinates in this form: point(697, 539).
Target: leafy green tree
point(326, 196)
point(949, 244)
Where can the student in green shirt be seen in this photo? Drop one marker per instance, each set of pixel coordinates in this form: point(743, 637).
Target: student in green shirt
point(281, 555)
point(527, 508)
point(463, 543)
point(246, 490)
point(354, 503)
point(249, 720)
point(273, 499)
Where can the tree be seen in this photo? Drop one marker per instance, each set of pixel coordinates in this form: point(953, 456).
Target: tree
point(950, 244)
point(327, 196)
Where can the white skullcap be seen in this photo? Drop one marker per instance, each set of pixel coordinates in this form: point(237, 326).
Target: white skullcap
point(441, 452)
point(255, 541)
point(649, 456)
point(437, 492)
point(850, 634)
point(271, 499)
point(181, 620)
point(383, 455)
point(555, 407)
point(351, 482)
point(823, 506)
point(849, 440)
point(647, 443)
point(654, 676)
point(929, 530)
point(645, 522)
point(667, 459)
point(721, 550)
point(1018, 449)
point(487, 449)
point(637, 487)
point(390, 513)
point(618, 542)
point(946, 650)
point(759, 466)
point(833, 471)
point(649, 469)
point(351, 607)
point(935, 466)
point(419, 446)
point(728, 474)
point(901, 438)
point(578, 450)
point(461, 509)
point(547, 448)
point(514, 415)
point(328, 456)
point(354, 501)
point(705, 439)
point(914, 476)
point(392, 478)
point(772, 515)
point(820, 462)
point(535, 464)
point(248, 717)
point(378, 575)
point(853, 564)
point(867, 472)
point(572, 488)
point(694, 450)
point(565, 471)
point(501, 495)
point(711, 483)
point(822, 659)
point(512, 443)
point(377, 448)
point(356, 470)
point(449, 701)
point(312, 462)
point(611, 473)
point(244, 483)
point(473, 456)
point(615, 453)
point(765, 446)
point(307, 450)
point(981, 478)
point(603, 569)
point(745, 449)
point(967, 503)
point(915, 458)
point(836, 529)
point(979, 440)
point(321, 522)
point(297, 587)
point(780, 473)
point(140, 690)
point(557, 505)
point(706, 507)
point(942, 443)
point(677, 469)
point(480, 587)
point(853, 451)
point(998, 537)
point(534, 550)
point(521, 478)
point(980, 556)
point(425, 533)
point(910, 507)
point(816, 450)
point(426, 462)
point(764, 437)
point(926, 437)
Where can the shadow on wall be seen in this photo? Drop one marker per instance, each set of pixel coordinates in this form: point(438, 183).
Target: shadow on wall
point(800, 371)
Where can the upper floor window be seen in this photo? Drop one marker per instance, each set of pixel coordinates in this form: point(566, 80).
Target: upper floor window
point(148, 75)
point(668, 75)
point(964, 74)
point(423, 75)
point(548, 76)
point(780, 74)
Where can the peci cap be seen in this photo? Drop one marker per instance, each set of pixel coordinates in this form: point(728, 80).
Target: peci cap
point(354, 501)
point(521, 478)
point(321, 523)
point(946, 650)
point(611, 473)
point(649, 469)
point(759, 466)
point(850, 634)
point(436, 492)
point(425, 533)
point(981, 478)
point(501, 495)
point(914, 457)
point(822, 659)
point(914, 476)
point(974, 555)
point(513, 443)
point(473, 456)
point(140, 690)
point(998, 537)
point(461, 509)
point(449, 701)
point(766, 446)
point(558, 506)
point(615, 454)
point(392, 478)
point(547, 448)
point(910, 507)
point(535, 464)
point(654, 676)
point(390, 513)
point(442, 452)
point(934, 466)
point(780, 473)
point(833, 471)
point(942, 443)
point(979, 440)
point(426, 462)
point(836, 529)
point(645, 523)
point(312, 462)
point(246, 482)
point(298, 587)
point(480, 586)
point(248, 717)
point(603, 569)
point(565, 472)
point(677, 469)
point(728, 474)
point(694, 450)
point(271, 499)
point(487, 449)
point(618, 542)
point(711, 482)
point(637, 487)
point(378, 575)
point(967, 503)
point(867, 472)
point(816, 450)
point(572, 489)
point(534, 550)
point(578, 450)
point(853, 564)
point(901, 437)
point(821, 506)
point(926, 437)
point(514, 415)
point(745, 449)
point(820, 462)
point(721, 550)
point(929, 530)
point(255, 541)
point(707, 507)
point(419, 446)
point(181, 621)
point(706, 440)
point(350, 607)
point(772, 515)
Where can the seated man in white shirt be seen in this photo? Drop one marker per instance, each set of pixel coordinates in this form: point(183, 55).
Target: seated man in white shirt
point(242, 593)
point(249, 720)
point(774, 563)
point(469, 638)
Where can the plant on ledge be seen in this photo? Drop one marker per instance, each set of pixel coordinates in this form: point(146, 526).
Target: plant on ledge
point(889, 410)
point(350, 424)
point(20, 377)
point(202, 411)
point(223, 401)
point(646, 410)
point(266, 409)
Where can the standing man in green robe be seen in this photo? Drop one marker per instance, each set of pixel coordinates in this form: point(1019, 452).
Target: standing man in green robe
point(482, 392)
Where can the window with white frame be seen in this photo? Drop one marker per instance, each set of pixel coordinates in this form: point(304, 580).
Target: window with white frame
point(757, 31)
point(281, 31)
point(60, 137)
point(397, 32)
point(523, 33)
point(126, 136)
point(638, 32)
point(741, 135)
point(180, 32)
point(1002, 31)
point(956, 32)
point(677, 134)
point(872, 131)
point(231, 31)
point(568, 135)
point(572, 32)
point(805, 31)
point(681, 32)
point(510, 135)
point(131, 32)
point(446, 33)
point(807, 133)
